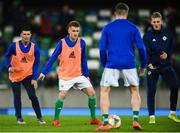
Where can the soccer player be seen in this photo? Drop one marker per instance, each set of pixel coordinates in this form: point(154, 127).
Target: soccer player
point(73, 70)
point(22, 60)
point(117, 56)
point(159, 45)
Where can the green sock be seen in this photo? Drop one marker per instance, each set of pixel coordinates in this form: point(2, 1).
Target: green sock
point(92, 106)
point(105, 119)
point(135, 115)
point(58, 107)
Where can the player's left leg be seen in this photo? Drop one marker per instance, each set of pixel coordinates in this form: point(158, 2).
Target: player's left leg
point(170, 78)
point(109, 78)
point(135, 103)
point(90, 92)
point(34, 99)
point(104, 104)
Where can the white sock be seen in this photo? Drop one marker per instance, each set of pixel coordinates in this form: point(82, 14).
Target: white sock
point(172, 112)
point(152, 116)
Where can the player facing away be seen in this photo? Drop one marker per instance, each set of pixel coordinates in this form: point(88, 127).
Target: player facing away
point(117, 56)
point(73, 71)
point(22, 60)
point(159, 45)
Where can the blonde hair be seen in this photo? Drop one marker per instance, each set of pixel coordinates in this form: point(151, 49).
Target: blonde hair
point(156, 15)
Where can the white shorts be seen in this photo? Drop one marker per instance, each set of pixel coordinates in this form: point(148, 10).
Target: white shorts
point(110, 77)
point(80, 82)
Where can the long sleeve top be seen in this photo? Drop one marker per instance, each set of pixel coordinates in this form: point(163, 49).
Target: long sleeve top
point(57, 52)
point(12, 51)
point(156, 42)
point(117, 45)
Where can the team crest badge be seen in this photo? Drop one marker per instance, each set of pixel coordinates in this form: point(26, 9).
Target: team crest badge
point(164, 38)
point(149, 73)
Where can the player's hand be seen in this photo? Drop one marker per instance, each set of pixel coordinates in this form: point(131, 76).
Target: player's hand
point(41, 76)
point(142, 72)
point(14, 69)
point(11, 69)
point(34, 83)
point(150, 66)
point(163, 55)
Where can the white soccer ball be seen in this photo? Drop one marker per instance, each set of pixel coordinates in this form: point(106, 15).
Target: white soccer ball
point(114, 121)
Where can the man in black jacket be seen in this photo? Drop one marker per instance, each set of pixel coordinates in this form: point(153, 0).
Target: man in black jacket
point(159, 45)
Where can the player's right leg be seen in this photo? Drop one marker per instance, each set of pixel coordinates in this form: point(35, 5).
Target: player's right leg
point(58, 107)
point(64, 86)
point(16, 88)
point(152, 79)
point(131, 80)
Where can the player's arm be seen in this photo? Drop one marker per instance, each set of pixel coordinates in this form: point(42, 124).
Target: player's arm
point(146, 39)
point(141, 49)
point(102, 48)
point(170, 47)
point(35, 66)
point(168, 51)
point(84, 66)
point(142, 52)
point(10, 51)
point(36, 63)
point(51, 60)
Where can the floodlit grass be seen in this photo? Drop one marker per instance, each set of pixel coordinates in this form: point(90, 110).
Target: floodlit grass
point(81, 124)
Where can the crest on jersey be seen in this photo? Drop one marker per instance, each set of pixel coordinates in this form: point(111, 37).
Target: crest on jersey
point(149, 73)
point(164, 38)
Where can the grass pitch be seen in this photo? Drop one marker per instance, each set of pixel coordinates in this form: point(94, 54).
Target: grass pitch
point(81, 124)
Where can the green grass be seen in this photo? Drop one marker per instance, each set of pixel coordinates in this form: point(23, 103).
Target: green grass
point(81, 124)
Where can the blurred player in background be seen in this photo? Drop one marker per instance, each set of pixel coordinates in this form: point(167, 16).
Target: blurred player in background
point(73, 70)
point(117, 55)
point(22, 60)
point(159, 45)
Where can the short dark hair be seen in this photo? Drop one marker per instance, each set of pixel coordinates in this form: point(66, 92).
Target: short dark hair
point(73, 23)
point(121, 8)
point(156, 15)
point(25, 28)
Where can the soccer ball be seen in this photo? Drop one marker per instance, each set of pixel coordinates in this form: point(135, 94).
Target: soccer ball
point(114, 121)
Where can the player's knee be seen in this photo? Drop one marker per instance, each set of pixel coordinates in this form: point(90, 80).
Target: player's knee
point(33, 97)
point(63, 94)
point(17, 96)
point(174, 88)
point(134, 89)
point(105, 90)
point(91, 93)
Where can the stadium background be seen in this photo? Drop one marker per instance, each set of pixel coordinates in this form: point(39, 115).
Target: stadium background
point(48, 20)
